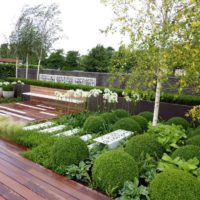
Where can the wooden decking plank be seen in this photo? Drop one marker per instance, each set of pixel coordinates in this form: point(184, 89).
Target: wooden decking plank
point(36, 185)
point(18, 188)
point(43, 175)
point(7, 193)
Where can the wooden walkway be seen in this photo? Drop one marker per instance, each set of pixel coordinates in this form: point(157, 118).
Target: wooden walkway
point(22, 179)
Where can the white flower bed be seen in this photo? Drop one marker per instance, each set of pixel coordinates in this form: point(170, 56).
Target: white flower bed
point(53, 129)
point(69, 132)
point(38, 126)
point(114, 138)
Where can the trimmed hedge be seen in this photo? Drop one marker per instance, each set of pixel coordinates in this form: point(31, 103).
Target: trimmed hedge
point(147, 115)
point(141, 121)
point(112, 169)
point(194, 132)
point(187, 152)
point(121, 113)
point(68, 150)
point(127, 124)
point(179, 121)
point(175, 185)
point(165, 97)
point(94, 124)
point(140, 145)
point(194, 140)
point(109, 117)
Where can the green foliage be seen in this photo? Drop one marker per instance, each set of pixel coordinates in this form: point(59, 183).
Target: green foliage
point(127, 124)
point(79, 172)
point(94, 124)
point(179, 121)
point(169, 136)
point(190, 166)
point(8, 87)
point(56, 60)
point(112, 169)
point(141, 145)
point(133, 191)
point(109, 117)
point(10, 100)
point(121, 113)
point(170, 98)
point(68, 150)
point(141, 121)
point(187, 152)
point(194, 140)
point(7, 70)
point(97, 59)
point(175, 185)
point(147, 115)
point(72, 59)
point(194, 132)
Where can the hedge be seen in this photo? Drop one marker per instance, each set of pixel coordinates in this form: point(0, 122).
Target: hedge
point(165, 97)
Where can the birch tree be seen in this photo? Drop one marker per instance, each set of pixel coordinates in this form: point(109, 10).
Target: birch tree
point(156, 29)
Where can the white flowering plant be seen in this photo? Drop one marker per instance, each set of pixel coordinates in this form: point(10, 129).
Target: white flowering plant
point(9, 86)
point(94, 93)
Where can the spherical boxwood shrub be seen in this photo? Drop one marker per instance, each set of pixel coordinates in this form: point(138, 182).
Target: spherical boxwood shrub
point(147, 115)
point(140, 145)
point(94, 124)
point(179, 121)
point(141, 121)
point(69, 150)
point(109, 117)
point(175, 185)
point(121, 113)
point(187, 152)
point(127, 124)
point(195, 132)
point(194, 140)
point(112, 169)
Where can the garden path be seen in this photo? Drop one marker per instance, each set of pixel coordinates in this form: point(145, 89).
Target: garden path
point(22, 179)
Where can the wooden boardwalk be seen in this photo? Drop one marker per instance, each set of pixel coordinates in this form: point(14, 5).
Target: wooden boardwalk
point(22, 179)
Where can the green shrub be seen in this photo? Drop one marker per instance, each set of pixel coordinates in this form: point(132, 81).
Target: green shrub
point(187, 152)
point(175, 185)
point(127, 124)
point(194, 140)
point(94, 124)
point(141, 121)
point(121, 113)
point(109, 117)
point(112, 169)
point(147, 115)
point(179, 121)
point(140, 145)
point(68, 150)
point(195, 132)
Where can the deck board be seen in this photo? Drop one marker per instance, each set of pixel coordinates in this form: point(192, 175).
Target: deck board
point(22, 179)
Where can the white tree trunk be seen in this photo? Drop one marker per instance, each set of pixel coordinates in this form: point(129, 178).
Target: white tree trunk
point(16, 68)
point(26, 66)
point(38, 69)
point(157, 103)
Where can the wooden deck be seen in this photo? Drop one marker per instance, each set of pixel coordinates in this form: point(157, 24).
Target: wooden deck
point(22, 179)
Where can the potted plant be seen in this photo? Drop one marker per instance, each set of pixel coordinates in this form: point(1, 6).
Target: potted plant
point(8, 89)
point(1, 89)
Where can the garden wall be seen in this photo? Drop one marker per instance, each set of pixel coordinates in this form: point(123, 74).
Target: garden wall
point(102, 79)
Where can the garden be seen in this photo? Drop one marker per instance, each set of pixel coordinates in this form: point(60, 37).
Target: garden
point(116, 152)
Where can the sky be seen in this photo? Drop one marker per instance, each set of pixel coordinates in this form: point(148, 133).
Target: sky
point(81, 23)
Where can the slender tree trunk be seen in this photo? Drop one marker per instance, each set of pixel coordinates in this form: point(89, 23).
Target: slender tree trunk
point(16, 64)
point(157, 103)
point(39, 62)
point(26, 66)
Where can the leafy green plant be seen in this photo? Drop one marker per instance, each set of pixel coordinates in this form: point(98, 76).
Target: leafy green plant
point(141, 121)
point(147, 115)
point(133, 191)
point(127, 124)
point(179, 121)
point(121, 113)
point(194, 141)
point(174, 184)
point(169, 136)
point(79, 172)
point(10, 100)
point(191, 165)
